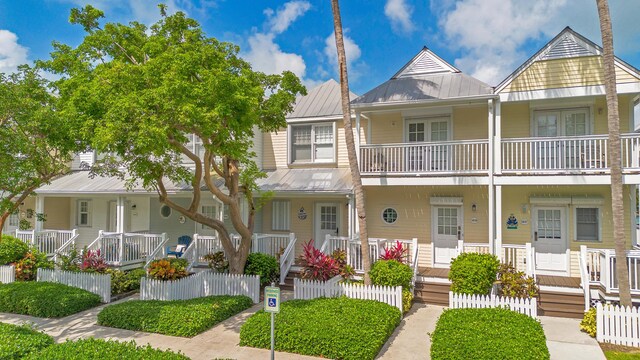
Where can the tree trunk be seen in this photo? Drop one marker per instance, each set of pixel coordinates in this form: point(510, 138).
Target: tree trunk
point(3, 219)
point(613, 121)
point(351, 147)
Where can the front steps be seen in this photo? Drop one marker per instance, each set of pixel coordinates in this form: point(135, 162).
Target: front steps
point(432, 292)
point(561, 302)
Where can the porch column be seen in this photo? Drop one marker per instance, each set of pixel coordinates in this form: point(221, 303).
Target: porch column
point(357, 138)
point(497, 153)
point(39, 210)
point(491, 161)
point(498, 223)
point(352, 217)
point(120, 214)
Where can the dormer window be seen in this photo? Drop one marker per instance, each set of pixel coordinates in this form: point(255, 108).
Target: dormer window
point(312, 143)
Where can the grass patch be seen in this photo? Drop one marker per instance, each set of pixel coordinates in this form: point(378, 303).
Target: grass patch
point(620, 352)
point(334, 328)
point(103, 350)
point(17, 342)
point(45, 299)
point(178, 318)
point(487, 334)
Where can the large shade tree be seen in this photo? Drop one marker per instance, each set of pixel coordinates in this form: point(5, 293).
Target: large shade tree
point(35, 142)
point(139, 93)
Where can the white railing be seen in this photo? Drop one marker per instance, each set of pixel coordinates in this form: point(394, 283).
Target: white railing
point(414, 265)
point(203, 245)
point(66, 247)
point(99, 284)
point(202, 284)
point(618, 325)
point(305, 289)
point(458, 156)
point(47, 241)
point(584, 277)
point(271, 244)
point(287, 258)
point(480, 248)
point(159, 252)
point(528, 306)
point(120, 249)
point(7, 274)
point(630, 151)
point(353, 249)
point(522, 257)
point(601, 269)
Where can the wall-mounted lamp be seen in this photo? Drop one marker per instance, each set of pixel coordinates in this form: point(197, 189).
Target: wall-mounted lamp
point(599, 111)
point(134, 206)
point(474, 207)
point(524, 208)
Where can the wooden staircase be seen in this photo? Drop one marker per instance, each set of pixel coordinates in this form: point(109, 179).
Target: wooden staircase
point(561, 304)
point(430, 292)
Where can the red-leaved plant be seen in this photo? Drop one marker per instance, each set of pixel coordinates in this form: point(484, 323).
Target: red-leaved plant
point(396, 252)
point(318, 265)
point(92, 261)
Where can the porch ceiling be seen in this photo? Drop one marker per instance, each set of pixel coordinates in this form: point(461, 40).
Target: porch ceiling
point(307, 180)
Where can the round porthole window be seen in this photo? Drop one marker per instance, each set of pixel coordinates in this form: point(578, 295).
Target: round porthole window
point(389, 215)
point(165, 211)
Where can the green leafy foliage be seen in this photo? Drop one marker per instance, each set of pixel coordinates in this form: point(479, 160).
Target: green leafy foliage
point(514, 283)
point(45, 299)
point(70, 262)
point(217, 261)
point(27, 267)
point(391, 273)
point(266, 266)
point(487, 334)
point(588, 323)
point(12, 249)
point(177, 318)
point(473, 273)
point(103, 350)
point(124, 281)
point(17, 342)
point(333, 328)
point(168, 269)
point(407, 299)
point(93, 261)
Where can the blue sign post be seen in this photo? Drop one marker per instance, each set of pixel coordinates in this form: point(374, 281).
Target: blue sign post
point(272, 305)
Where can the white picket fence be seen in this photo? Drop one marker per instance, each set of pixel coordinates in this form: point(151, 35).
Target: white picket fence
point(618, 325)
point(524, 306)
point(7, 274)
point(309, 289)
point(202, 284)
point(99, 284)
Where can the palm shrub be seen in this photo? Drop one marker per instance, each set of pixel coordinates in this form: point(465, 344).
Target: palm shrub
point(263, 265)
point(394, 273)
point(473, 273)
point(12, 249)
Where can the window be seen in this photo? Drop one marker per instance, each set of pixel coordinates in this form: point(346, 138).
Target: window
point(14, 219)
point(561, 122)
point(587, 224)
point(280, 215)
point(83, 212)
point(312, 143)
point(389, 215)
point(165, 211)
point(209, 211)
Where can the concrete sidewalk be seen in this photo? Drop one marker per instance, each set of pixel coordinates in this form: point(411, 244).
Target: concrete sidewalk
point(565, 340)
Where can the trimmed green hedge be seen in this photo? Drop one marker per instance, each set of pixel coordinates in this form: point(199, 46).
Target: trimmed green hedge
point(266, 266)
point(487, 334)
point(45, 299)
point(17, 342)
point(178, 318)
point(473, 273)
point(103, 350)
point(333, 328)
point(12, 249)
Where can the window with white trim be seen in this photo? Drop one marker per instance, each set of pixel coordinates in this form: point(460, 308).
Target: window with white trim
point(280, 215)
point(14, 219)
point(209, 211)
point(83, 213)
point(561, 122)
point(312, 143)
point(389, 216)
point(587, 221)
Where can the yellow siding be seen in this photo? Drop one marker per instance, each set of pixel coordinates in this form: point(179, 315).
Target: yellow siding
point(58, 212)
point(564, 73)
point(470, 123)
point(516, 196)
point(386, 128)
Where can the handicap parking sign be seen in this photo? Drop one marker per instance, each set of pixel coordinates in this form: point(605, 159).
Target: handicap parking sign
point(272, 299)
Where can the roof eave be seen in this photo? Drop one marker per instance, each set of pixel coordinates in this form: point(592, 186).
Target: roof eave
point(390, 104)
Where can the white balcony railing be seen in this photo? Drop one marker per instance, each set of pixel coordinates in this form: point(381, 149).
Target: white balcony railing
point(446, 157)
point(121, 249)
point(600, 268)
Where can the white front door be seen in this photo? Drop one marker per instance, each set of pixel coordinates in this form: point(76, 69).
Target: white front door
point(327, 221)
point(428, 157)
point(549, 239)
point(447, 230)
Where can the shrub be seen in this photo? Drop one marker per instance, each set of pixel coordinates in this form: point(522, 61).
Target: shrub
point(391, 273)
point(487, 334)
point(177, 318)
point(407, 299)
point(70, 262)
point(17, 342)
point(264, 265)
point(514, 283)
point(92, 261)
point(45, 299)
point(318, 265)
point(473, 273)
point(217, 261)
point(124, 281)
point(396, 252)
point(27, 267)
point(333, 328)
point(12, 249)
point(168, 269)
point(588, 323)
point(104, 350)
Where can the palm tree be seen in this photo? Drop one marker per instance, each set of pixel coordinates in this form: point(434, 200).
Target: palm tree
point(613, 121)
point(351, 147)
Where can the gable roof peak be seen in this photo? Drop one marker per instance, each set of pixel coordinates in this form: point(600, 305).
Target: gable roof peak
point(424, 63)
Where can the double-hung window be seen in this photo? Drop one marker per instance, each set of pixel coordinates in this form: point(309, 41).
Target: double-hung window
point(312, 143)
point(587, 223)
point(83, 213)
point(281, 213)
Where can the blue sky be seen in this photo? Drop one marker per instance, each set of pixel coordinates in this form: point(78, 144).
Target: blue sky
point(484, 38)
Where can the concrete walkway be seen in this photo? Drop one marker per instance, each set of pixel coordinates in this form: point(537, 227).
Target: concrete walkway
point(410, 340)
point(566, 341)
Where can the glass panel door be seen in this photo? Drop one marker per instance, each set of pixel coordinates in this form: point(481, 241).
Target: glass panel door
point(546, 152)
point(416, 154)
point(439, 154)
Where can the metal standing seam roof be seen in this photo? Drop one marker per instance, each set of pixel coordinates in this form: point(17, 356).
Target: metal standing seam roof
point(337, 180)
point(322, 101)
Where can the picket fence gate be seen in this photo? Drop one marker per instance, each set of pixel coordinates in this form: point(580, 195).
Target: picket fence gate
point(202, 284)
point(618, 325)
point(7, 274)
point(99, 284)
point(310, 289)
point(465, 301)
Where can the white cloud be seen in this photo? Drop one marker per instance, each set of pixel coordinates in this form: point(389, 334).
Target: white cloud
point(399, 13)
point(266, 56)
point(351, 49)
point(12, 54)
point(286, 15)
